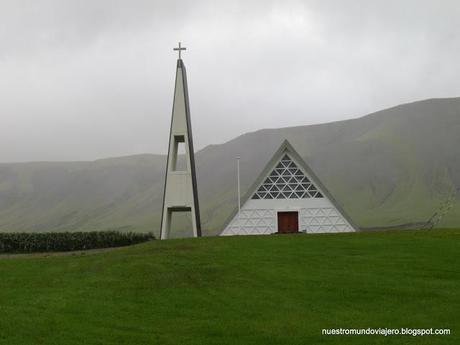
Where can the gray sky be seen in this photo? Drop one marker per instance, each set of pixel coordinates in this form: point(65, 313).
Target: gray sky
point(92, 79)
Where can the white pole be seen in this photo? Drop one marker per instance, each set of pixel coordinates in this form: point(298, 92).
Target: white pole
point(239, 195)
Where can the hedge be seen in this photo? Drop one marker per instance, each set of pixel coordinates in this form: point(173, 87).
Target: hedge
point(66, 241)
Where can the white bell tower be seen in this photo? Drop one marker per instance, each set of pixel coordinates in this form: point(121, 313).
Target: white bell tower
point(180, 191)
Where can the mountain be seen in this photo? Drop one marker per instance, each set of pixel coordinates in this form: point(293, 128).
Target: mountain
point(392, 167)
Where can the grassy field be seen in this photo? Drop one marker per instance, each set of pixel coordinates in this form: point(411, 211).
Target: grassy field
point(239, 290)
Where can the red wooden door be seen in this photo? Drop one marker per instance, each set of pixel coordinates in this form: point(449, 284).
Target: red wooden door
point(288, 222)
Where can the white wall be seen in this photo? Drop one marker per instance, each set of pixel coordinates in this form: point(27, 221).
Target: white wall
point(316, 215)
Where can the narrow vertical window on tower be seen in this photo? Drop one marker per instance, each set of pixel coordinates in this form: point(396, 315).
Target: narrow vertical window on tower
point(179, 162)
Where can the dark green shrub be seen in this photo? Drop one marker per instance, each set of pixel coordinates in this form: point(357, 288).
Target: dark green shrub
point(22, 242)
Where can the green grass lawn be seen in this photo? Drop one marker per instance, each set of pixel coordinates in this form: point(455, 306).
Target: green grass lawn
point(237, 290)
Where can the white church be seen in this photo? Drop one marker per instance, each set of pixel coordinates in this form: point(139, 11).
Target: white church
point(287, 197)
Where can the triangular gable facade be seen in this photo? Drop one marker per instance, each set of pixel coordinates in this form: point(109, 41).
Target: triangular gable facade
point(288, 187)
point(287, 181)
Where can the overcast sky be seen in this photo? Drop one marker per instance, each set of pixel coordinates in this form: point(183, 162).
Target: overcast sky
point(92, 79)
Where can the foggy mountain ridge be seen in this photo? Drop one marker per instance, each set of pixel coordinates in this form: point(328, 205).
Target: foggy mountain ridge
point(391, 167)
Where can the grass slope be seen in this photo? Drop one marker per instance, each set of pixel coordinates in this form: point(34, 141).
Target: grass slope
point(239, 290)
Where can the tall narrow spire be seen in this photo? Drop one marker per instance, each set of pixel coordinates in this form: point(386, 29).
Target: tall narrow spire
point(180, 190)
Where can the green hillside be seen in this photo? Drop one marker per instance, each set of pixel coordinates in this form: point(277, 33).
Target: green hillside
point(388, 168)
point(281, 289)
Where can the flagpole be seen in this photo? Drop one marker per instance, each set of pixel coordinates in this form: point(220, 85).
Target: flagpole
point(239, 195)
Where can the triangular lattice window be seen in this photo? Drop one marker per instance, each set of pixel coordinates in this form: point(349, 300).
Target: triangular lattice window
point(287, 181)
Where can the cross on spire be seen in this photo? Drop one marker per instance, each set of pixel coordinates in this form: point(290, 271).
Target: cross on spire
point(179, 49)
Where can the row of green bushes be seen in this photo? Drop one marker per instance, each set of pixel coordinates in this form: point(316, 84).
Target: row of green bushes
point(66, 241)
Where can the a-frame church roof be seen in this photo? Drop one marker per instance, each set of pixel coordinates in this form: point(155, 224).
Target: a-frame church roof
point(286, 147)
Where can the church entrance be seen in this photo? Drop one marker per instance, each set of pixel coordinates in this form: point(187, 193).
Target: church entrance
point(288, 222)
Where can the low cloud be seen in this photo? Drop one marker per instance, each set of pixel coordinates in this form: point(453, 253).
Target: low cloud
point(86, 80)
